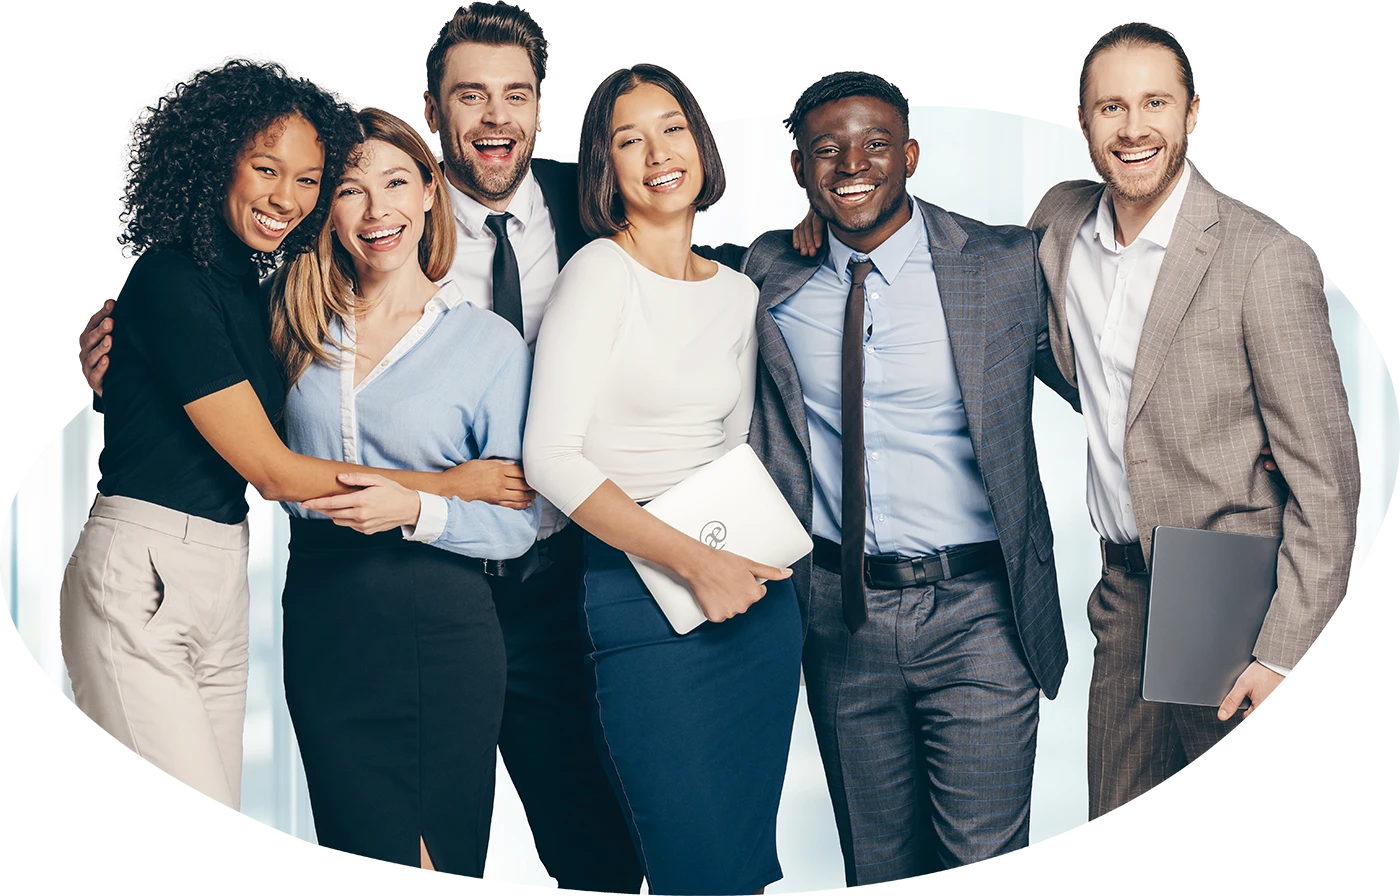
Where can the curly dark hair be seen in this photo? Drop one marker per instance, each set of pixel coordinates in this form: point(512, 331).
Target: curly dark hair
point(184, 149)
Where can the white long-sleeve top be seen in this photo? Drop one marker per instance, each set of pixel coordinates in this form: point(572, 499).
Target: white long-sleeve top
point(638, 378)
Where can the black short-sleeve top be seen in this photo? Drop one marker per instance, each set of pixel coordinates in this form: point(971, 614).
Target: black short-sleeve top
point(181, 332)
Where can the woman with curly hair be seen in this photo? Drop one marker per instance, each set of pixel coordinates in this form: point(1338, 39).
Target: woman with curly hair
point(393, 657)
point(229, 173)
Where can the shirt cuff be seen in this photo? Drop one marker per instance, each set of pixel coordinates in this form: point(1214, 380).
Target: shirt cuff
point(432, 519)
point(1281, 670)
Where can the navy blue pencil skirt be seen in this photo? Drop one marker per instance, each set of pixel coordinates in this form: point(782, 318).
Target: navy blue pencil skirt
point(694, 729)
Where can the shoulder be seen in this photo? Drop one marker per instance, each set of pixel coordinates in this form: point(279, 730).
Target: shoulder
point(164, 278)
point(1242, 222)
point(601, 257)
point(767, 249)
point(1066, 195)
point(985, 238)
point(554, 174)
point(734, 283)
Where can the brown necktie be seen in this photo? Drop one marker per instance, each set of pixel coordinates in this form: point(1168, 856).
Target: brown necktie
point(853, 449)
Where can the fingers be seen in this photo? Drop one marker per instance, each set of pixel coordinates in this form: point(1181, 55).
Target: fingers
point(764, 571)
point(332, 503)
point(1238, 694)
point(363, 480)
point(97, 326)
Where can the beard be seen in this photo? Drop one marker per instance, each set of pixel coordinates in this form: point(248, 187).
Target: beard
point(488, 182)
point(1139, 189)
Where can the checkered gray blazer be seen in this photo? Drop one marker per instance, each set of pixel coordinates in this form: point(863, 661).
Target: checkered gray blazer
point(994, 300)
point(1236, 350)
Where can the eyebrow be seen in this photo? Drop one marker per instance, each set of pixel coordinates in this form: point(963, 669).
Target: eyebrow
point(351, 178)
point(271, 157)
point(674, 113)
point(1151, 95)
point(477, 85)
point(867, 131)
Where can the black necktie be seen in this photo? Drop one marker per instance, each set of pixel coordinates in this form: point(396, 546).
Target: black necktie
point(505, 275)
point(853, 448)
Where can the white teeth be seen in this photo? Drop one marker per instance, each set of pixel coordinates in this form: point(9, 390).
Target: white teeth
point(493, 141)
point(664, 179)
point(1137, 156)
point(380, 234)
point(270, 223)
point(851, 189)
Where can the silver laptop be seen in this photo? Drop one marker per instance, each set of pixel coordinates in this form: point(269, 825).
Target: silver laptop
point(1207, 599)
point(731, 504)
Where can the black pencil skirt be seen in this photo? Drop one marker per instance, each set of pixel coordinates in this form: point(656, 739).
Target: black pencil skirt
point(395, 674)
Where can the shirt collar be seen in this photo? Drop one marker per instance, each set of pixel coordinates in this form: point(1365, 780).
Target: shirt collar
point(889, 257)
point(471, 215)
point(1158, 230)
point(231, 255)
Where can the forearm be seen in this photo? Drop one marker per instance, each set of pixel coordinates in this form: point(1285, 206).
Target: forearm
point(619, 521)
point(477, 529)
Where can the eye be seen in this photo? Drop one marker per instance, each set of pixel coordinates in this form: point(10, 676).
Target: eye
point(675, 127)
point(628, 142)
point(517, 98)
point(398, 182)
point(1110, 108)
point(308, 181)
point(824, 151)
point(1155, 104)
point(345, 191)
point(263, 169)
point(469, 97)
point(879, 144)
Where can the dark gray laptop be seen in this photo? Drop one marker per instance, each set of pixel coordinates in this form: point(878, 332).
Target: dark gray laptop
point(1208, 596)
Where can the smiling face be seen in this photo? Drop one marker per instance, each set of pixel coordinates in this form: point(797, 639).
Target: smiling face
point(853, 158)
point(275, 183)
point(487, 114)
point(1136, 117)
point(654, 154)
point(379, 207)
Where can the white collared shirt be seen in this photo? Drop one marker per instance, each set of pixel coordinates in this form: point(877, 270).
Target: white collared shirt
point(531, 236)
point(1110, 288)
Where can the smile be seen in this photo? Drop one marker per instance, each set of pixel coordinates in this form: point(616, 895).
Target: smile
point(1139, 155)
point(494, 147)
point(273, 227)
point(855, 192)
point(665, 179)
point(383, 239)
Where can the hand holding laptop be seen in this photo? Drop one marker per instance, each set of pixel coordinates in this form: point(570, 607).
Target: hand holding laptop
point(728, 584)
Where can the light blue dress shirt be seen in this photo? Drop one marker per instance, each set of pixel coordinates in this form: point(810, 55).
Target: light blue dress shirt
point(924, 491)
point(453, 389)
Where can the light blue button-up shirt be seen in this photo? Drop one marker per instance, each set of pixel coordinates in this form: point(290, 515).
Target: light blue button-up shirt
point(453, 389)
point(924, 491)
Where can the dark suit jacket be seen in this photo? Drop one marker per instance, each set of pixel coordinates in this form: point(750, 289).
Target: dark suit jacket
point(559, 183)
point(994, 300)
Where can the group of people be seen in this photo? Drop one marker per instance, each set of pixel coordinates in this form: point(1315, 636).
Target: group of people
point(464, 379)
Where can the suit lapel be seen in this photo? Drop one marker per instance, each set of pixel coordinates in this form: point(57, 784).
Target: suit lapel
point(1188, 256)
point(785, 277)
point(962, 292)
point(1056, 248)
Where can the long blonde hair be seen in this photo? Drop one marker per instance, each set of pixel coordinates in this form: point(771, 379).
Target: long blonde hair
point(317, 286)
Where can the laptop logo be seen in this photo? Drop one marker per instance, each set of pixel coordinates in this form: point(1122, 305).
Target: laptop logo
point(714, 534)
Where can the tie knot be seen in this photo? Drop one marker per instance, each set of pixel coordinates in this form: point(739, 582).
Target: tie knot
point(497, 223)
point(859, 266)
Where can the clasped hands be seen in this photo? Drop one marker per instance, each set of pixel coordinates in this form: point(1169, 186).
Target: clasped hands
point(379, 504)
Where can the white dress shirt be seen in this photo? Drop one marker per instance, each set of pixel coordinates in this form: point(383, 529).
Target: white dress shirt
point(532, 238)
point(1110, 287)
point(640, 379)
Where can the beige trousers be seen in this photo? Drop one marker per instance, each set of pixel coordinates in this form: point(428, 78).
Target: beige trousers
point(153, 617)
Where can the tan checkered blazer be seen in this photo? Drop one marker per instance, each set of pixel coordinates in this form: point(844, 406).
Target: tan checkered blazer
point(1236, 350)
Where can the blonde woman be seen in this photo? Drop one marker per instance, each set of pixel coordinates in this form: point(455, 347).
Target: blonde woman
point(393, 657)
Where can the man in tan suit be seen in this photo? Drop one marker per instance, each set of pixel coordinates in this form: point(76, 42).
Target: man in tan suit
point(1196, 330)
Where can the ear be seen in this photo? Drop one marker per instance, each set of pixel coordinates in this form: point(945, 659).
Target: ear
point(911, 156)
point(797, 171)
point(1192, 111)
point(429, 194)
point(539, 116)
point(430, 112)
point(1083, 122)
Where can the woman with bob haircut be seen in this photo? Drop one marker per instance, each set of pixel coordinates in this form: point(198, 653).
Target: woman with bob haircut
point(394, 663)
point(645, 373)
point(229, 173)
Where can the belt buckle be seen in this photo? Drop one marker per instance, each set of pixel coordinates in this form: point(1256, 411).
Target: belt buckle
point(1103, 554)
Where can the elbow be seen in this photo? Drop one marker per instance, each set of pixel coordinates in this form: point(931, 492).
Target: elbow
point(271, 487)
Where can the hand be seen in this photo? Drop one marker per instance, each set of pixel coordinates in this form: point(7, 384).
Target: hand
point(1253, 686)
point(1268, 455)
point(499, 482)
point(726, 584)
point(94, 344)
point(807, 235)
point(380, 505)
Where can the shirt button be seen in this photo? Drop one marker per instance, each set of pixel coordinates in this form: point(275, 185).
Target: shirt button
point(1122, 273)
point(870, 349)
point(881, 517)
point(384, 363)
point(874, 295)
point(867, 402)
point(874, 455)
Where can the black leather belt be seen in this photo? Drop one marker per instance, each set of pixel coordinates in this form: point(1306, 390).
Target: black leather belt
point(537, 559)
point(888, 573)
point(1126, 558)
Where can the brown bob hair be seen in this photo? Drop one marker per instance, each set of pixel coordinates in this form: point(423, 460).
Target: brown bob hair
point(599, 200)
point(315, 286)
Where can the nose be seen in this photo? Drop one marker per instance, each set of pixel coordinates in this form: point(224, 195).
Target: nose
point(375, 206)
point(281, 197)
point(493, 110)
point(1134, 125)
point(657, 153)
point(852, 160)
